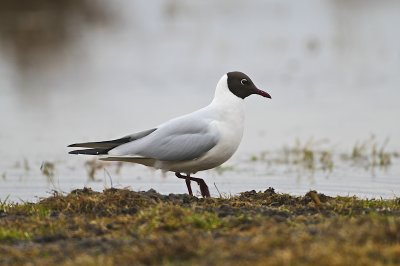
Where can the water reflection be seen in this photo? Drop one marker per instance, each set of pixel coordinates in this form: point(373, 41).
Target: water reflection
point(37, 32)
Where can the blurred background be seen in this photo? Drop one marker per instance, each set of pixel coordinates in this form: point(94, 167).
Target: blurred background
point(80, 70)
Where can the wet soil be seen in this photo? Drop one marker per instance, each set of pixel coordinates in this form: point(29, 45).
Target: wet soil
point(124, 227)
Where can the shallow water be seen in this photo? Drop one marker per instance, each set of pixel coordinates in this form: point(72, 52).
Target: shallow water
point(331, 68)
point(236, 176)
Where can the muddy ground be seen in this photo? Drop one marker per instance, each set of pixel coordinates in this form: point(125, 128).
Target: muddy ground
point(123, 227)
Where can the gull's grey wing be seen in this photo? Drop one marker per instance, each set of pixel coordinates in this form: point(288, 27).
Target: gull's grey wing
point(178, 140)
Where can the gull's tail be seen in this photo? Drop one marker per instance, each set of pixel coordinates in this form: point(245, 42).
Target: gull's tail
point(130, 159)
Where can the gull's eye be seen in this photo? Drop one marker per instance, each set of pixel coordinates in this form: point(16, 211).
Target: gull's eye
point(244, 81)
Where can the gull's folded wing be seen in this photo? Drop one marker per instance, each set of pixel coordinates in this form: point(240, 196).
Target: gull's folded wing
point(178, 140)
point(102, 147)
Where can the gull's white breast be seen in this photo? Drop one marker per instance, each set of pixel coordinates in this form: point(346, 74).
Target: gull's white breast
point(226, 114)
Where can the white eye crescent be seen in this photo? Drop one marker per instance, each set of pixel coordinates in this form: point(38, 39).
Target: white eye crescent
point(244, 81)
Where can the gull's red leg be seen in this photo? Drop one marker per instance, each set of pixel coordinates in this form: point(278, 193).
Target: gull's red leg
point(187, 180)
point(205, 192)
point(189, 187)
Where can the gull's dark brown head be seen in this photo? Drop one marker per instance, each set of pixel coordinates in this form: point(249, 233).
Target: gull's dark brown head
point(242, 86)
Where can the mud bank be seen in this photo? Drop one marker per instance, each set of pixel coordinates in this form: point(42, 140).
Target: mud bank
point(124, 227)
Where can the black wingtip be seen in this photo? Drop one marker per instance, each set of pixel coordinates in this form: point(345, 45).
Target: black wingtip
point(72, 145)
point(90, 151)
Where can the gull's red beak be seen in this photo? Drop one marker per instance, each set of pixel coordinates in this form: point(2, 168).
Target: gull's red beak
point(262, 93)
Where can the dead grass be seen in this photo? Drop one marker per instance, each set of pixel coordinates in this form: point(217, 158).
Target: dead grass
point(123, 227)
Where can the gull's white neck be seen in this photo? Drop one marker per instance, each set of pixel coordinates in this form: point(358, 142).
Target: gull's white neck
point(228, 109)
point(228, 117)
point(224, 97)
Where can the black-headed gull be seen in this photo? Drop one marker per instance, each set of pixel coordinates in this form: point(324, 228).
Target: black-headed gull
point(187, 144)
